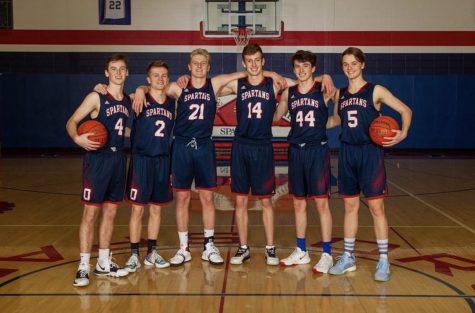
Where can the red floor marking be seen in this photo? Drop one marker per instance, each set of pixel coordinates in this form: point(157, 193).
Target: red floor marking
point(51, 253)
point(6, 271)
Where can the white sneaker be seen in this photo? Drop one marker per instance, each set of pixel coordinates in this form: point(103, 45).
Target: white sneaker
point(297, 257)
point(271, 257)
point(211, 254)
point(240, 256)
point(180, 258)
point(106, 267)
point(82, 276)
point(132, 263)
point(324, 265)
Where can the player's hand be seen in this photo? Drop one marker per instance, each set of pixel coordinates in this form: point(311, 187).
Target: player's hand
point(182, 81)
point(101, 88)
point(84, 142)
point(392, 141)
point(139, 100)
point(327, 84)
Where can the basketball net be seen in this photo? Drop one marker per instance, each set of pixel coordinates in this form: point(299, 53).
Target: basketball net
point(241, 35)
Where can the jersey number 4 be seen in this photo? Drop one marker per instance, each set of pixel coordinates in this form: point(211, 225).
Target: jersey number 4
point(309, 118)
point(254, 109)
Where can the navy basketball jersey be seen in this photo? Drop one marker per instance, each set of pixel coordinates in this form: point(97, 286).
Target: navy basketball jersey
point(309, 115)
point(152, 129)
point(255, 106)
point(356, 111)
point(114, 114)
point(196, 109)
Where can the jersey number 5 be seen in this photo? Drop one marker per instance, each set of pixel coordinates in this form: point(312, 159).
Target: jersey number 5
point(352, 118)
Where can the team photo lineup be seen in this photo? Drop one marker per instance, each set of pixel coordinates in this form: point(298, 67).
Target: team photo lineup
point(170, 129)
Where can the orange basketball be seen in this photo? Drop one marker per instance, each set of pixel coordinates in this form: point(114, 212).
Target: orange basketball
point(99, 131)
point(382, 127)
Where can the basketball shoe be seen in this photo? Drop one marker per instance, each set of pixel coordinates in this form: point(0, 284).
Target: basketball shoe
point(297, 257)
point(271, 257)
point(181, 257)
point(242, 254)
point(211, 254)
point(345, 263)
point(132, 263)
point(324, 265)
point(153, 258)
point(107, 267)
point(382, 270)
point(82, 276)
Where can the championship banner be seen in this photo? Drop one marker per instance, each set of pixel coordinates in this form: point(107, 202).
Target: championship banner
point(115, 12)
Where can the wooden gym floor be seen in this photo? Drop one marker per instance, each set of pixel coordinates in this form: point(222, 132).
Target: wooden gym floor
point(431, 211)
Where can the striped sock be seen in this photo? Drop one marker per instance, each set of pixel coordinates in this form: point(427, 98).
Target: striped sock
point(302, 244)
point(383, 248)
point(350, 245)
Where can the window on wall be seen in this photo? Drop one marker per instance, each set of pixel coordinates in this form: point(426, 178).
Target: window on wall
point(6, 14)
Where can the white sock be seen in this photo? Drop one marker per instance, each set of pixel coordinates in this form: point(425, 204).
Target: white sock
point(85, 258)
point(103, 254)
point(183, 236)
point(209, 233)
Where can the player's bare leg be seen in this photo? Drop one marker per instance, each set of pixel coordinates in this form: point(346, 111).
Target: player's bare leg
point(325, 216)
point(135, 230)
point(376, 207)
point(210, 251)
point(242, 219)
point(300, 254)
point(183, 198)
point(268, 220)
point(154, 220)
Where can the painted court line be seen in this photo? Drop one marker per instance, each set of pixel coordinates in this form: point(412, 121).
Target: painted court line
point(433, 208)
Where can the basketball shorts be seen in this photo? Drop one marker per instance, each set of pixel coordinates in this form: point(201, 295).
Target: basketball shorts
point(148, 181)
point(309, 171)
point(252, 168)
point(361, 169)
point(103, 177)
point(193, 159)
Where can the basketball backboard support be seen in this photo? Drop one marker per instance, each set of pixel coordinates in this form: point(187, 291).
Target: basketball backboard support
point(263, 17)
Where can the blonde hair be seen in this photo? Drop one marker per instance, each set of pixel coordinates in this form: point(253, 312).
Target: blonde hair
point(202, 52)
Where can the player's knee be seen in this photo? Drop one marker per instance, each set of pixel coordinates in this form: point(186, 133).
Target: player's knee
point(137, 212)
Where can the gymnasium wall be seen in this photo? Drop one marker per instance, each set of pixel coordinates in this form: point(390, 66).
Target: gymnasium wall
point(424, 51)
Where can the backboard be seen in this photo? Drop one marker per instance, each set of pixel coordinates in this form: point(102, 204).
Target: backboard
point(263, 17)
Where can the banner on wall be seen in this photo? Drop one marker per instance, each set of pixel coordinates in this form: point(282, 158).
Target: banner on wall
point(116, 12)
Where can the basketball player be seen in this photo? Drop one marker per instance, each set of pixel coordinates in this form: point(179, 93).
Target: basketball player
point(104, 169)
point(149, 169)
point(193, 153)
point(252, 159)
point(361, 162)
point(309, 156)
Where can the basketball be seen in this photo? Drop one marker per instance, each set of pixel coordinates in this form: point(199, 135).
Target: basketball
point(382, 127)
point(99, 131)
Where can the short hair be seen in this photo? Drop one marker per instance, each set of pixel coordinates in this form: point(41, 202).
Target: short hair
point(114, 58)
point(356, 52)
point(304, 56)
point(250, 49)
point(202, 52)
point(157, 63)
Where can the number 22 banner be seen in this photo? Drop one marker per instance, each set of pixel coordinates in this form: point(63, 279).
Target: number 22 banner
point(116, 12)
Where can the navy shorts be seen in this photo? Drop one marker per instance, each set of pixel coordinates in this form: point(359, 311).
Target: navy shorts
point(361, 169)
point(193, 159)
point(148, 181)
point(252, 168)
point(103, 177)
point(309, 171)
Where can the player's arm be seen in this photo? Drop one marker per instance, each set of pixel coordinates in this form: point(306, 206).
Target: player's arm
point(228, 89)
point(334, 120)
point(327, 83)
point(283, 106)
point(383, 95)
point(222, 80)
point(278, 79)
point(90, 105)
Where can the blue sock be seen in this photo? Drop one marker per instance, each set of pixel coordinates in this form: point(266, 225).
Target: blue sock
point(302, 244)
point(327, 247)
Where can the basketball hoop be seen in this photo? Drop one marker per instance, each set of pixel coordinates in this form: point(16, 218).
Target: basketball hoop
point(241, 35)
